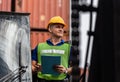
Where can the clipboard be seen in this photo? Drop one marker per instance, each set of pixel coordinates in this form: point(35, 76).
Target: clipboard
point(48, 63)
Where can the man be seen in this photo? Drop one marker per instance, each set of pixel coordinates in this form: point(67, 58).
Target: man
point(55, 46)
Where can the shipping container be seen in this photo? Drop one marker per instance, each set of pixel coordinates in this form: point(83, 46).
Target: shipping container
point(5, 5)
point(38, 37)
point(42, 10)
point(40, 13)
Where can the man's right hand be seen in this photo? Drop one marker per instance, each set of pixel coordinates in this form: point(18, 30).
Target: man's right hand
point(35, 67)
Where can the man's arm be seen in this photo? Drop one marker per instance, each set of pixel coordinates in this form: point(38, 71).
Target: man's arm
point(35, 66)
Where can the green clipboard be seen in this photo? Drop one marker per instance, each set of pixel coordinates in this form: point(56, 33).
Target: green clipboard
point(48, 63)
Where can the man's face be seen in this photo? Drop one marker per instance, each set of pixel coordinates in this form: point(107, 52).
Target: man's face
point(57, 30)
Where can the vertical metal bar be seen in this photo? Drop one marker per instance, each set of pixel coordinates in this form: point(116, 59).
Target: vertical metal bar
point(13, 5)
point(75, 41)
point(70, 29)
point(20, 62)
point(88, 44)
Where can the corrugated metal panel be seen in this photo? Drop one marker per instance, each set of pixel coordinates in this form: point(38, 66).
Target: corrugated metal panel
point(42, 10)
point(5, 5)
point(38, 37)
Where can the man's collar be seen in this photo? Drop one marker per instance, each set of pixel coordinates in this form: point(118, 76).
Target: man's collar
point(60, 43)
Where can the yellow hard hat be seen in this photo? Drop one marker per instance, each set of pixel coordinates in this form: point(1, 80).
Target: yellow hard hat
point(56, 19)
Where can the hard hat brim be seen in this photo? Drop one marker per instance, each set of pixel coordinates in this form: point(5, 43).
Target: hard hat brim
point(56, 23)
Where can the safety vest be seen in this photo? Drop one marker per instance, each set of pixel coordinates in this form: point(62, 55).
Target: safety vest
point(50, 50)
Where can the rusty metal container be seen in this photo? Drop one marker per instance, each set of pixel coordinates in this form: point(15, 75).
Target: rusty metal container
point(42, 10)
point(40, 13)
point(5, 5)
point(37, 37)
